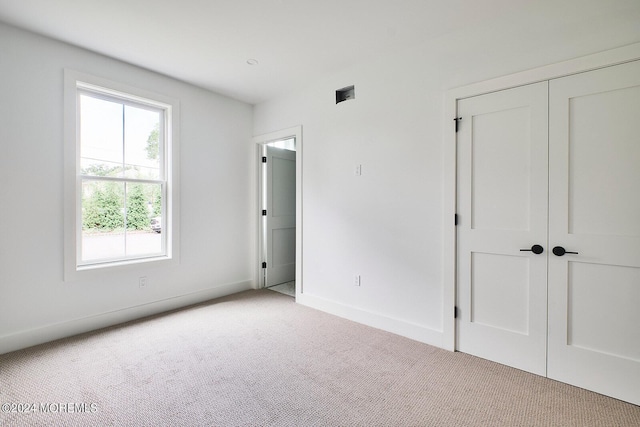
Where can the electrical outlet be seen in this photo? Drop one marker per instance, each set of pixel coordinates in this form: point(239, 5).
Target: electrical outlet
point(142, 282)
point(356, 280)
point(358, 170)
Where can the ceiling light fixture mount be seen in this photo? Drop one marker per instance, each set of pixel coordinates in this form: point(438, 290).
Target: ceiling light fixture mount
point(252, 61)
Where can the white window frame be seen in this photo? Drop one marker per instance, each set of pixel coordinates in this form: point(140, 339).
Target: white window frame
point(75, 84)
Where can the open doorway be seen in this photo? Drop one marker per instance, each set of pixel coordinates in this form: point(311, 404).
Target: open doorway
point(279, 212)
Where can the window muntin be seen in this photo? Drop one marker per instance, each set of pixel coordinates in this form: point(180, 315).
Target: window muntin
point(122, 177)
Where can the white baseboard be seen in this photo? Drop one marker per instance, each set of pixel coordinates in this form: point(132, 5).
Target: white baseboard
point(396, 326)
point(43, 334)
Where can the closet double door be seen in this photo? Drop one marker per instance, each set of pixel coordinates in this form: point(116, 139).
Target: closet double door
point(548, 250)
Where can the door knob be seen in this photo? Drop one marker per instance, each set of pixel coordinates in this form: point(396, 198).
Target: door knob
point(559, 251)
point(536, 249)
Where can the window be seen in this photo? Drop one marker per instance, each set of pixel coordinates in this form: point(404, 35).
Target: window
point(121, 199)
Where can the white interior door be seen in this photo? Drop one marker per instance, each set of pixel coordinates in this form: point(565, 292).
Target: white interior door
point(594, 295)
point(502, 208)
point(280, 226)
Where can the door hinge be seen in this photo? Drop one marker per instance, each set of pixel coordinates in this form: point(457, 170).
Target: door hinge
point(264, 212)
point(264, 265)
point(457, 120)
point(455, 312)
point(264, 160)
point(455, 219)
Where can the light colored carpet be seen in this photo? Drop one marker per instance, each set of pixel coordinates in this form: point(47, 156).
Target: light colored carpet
point(288, 288)
point(259, 359)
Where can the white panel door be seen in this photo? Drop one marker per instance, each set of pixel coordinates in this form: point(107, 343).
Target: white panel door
point(594, 295)
point(502, 209)
point(281, 216)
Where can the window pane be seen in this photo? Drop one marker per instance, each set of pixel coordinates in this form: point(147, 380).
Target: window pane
point(121, 166)
point(144, 219)
point(102, 220)
point(142, 143)
point(101, 133)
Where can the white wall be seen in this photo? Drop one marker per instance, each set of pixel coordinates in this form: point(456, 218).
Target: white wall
point(387, 224)
point(216, 196)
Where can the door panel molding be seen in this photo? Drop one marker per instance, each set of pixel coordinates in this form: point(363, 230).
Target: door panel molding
point(502, 178)
point(573, 66)
point(281, 216)
point(595, 206)
point(260, 141)
point(584, 353)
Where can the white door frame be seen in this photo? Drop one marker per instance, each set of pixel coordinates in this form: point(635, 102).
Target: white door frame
point(260, 141)
point(449, 250)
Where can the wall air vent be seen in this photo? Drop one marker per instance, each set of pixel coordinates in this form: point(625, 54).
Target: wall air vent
point(345, 94)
